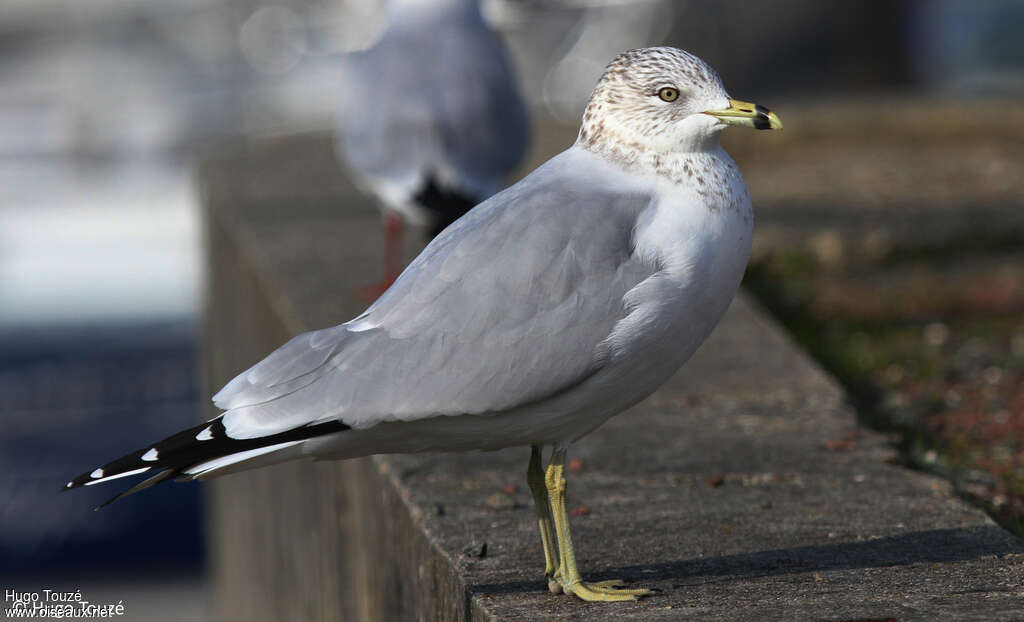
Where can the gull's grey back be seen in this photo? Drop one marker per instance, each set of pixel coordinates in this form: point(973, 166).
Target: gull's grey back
point(436, 96)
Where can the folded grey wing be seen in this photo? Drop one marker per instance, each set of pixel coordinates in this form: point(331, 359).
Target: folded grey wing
point(508, 306)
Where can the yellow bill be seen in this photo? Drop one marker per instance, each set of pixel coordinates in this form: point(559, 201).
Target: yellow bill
point(747, 114)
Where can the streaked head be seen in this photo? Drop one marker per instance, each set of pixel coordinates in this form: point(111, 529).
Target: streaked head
point(664, 99)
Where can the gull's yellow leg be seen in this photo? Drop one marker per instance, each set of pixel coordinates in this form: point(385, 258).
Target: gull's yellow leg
point(535, 477)
point(567, 575)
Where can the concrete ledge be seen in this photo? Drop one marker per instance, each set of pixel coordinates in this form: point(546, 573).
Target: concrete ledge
point(726, 490)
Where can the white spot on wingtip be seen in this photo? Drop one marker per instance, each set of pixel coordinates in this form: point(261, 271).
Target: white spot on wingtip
point(150, 455)
point(96, 474)
point(206, 434)
point(118, 476)
point(69, 484)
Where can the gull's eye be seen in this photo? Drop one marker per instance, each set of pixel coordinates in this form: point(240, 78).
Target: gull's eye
point(668, 93)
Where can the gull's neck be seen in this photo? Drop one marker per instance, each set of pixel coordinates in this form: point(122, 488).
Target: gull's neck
point(686, 166)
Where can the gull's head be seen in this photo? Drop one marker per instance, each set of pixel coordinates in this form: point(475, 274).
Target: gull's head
point(665, 100)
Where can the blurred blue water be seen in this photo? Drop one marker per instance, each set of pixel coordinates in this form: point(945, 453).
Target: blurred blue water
point(72, 398)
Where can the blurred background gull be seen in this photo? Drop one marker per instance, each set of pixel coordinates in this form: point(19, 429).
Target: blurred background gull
point(430, 119)
point(104, 105)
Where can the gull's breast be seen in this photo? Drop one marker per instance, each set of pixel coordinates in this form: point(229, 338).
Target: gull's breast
point(700, 241)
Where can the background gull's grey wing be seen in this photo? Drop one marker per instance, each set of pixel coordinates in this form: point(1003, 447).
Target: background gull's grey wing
point(437, 98)
point(509, 305)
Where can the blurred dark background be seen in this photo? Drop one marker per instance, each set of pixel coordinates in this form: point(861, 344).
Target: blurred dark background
point(104, 104)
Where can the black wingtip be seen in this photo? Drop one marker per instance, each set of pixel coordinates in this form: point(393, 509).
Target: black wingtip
point(175, 454)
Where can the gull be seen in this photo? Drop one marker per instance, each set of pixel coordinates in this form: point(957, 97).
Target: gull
point(431, 118)
point(548, 308)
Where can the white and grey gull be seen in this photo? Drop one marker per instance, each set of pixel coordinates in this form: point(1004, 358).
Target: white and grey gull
point(552, 306)
point(431, 120)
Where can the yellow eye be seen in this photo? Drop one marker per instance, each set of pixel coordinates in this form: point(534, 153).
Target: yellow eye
point(668, 93)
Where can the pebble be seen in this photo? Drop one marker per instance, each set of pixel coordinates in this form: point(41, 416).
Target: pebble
point(501, 501)
point(476, 549)
point(936, 334)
